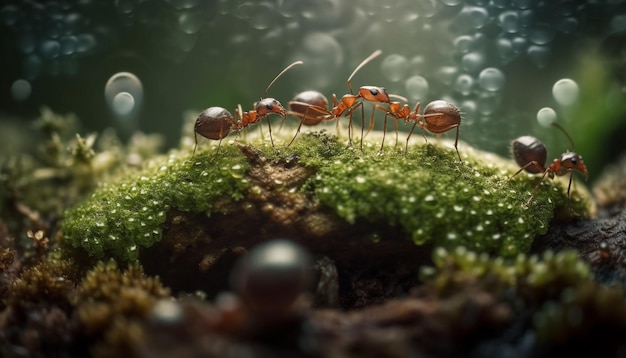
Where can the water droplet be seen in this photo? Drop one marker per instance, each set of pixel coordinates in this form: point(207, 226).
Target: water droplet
point(539, 55)
point(452, 2)
point(452, 236)
point(568, 25)
point(541, 34)
point(618, 23)
point(322, 54)
point(21, 90)
point(49, 49)
point(416, 87)
point(470, 18)
point(491, 79)
point(85, 42)
point(360, 180)
point(546, 116)
point(565, 91)
point(447, 74)
point(464, 43)
point(124, 94)
point(509, 21)
point(429, 198)
point(68, 45)
point(520, 220)
point(458, 208)
point(190, 21)
point(263, 16)
point(464, 84)
point(26, 43)
point(496, 236)
point(394, 67)
point(473, 62)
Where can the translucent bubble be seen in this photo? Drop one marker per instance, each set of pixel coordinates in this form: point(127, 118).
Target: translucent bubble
point(427, 8)
point(49, 49)
point(446, 74)
point(452, 2)
point(85, 42)
point(21, 90)
point(546, 116)
point(263, 16)
point(184, 4)
point(124, 94)
point(505, 49)
point(323, 55)
point(124, 6)
point(509, 21)
point(72, 22)
point(541, 34)
point(394, 67)
point(26, 43)
point(618, 23)
point(464, 84)
point(32, 66)
point(470, 18)
point(491, 79)
point(539, 55)
point(488, 103)
point(565, 91)
point(68, 45)
point(9, 15)
point(520, 44)
point(416, 87)
point(123, 104)
point(185, 41)
point(522, 4)
point(464, 43)
point(568, 25)
point(473, 61)
point(190, 21)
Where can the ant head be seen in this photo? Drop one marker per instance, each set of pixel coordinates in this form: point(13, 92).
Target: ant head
point(573, 161)
point(374, 94)
point(527, 149)
point(269, 105)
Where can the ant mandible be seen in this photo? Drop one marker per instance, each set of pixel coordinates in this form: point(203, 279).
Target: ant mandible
point(530, 154)
point(216, 122)
point(311, 106)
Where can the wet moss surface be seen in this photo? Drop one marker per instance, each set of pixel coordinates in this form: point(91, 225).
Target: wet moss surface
point(427, 194)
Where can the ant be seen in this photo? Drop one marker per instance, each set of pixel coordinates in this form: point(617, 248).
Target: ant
point(439, 117)
point(311, 106)
point(530, 154)
point(216, 122)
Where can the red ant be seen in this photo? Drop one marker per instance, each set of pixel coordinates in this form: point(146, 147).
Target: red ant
point(530, 153)
point(439, 117)
point(216, 122)
point(306, 104)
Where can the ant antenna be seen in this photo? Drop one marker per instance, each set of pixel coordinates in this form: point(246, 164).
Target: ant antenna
point(556, 125)
point(363, 63)
point(402, 98)
point(280, 74)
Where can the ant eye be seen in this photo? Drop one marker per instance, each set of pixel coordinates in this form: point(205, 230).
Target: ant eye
point(574, 161)
point(269, 106)
point(374, 92)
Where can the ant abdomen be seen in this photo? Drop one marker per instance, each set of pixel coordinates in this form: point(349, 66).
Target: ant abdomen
point(527, 149)
point(441, 116)
point(301, 103)
point(214, 123)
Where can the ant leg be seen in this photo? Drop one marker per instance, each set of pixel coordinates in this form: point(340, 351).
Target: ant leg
point(371, 126)
point(537, 187)
point(362, 125)
point(195, 135)
point(269, 125)
point(571, 176)
point(219, 145)
point(395, 126)
point(382, 144)
point(456, 143)
point(534, 163)
point(406, 147)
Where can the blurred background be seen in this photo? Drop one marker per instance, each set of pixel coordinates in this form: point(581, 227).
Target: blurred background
point(512, 66)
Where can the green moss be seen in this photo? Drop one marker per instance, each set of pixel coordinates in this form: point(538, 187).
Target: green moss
point(432, 196)
point(129, 211)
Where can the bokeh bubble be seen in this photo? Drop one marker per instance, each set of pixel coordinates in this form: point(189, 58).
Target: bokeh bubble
point(21, 90)
point(473, 62)
point(565, 91)
point(541, 34)
point(509, 21)
point(464, 43)
point(546, 116)
point(491, 79)
point(123, 104)
point(323, 55)
point(394, 67)
point(49, 49)
point(190, 21)
point(68, 45)
point(416, 87)
point(464, 84)
point(124, 94)
point(263, 16)
point(618, 23)
point(539, 55)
